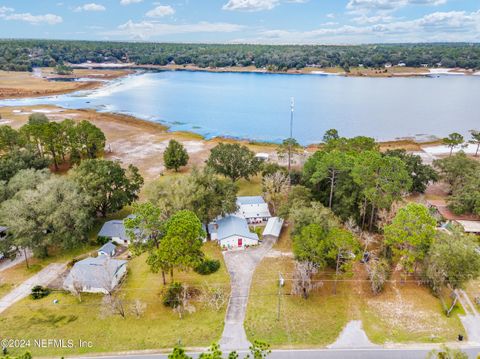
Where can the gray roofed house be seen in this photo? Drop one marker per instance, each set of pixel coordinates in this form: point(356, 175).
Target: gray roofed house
point(115, 230)
point(108, 249)
point(232, 232)
point(245, 200)
point(95, 275)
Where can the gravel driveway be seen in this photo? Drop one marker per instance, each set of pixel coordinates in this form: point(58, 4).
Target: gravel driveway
point(241, 266)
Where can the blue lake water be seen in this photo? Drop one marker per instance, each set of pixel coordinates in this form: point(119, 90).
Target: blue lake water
point(257, 106)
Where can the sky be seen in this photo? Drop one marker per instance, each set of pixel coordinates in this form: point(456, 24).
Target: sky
point(244, 21)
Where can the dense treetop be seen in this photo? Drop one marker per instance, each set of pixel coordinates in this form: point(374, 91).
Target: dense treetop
point(22, 55)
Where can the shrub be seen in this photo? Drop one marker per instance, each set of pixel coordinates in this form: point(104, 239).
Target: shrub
point(171, 298)
point(102, 240)
point(207, 266)
point(38, 292)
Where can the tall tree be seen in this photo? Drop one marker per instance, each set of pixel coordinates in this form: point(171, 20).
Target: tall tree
point(180, 248)
point(466, 198)
point(175, 155)
point(331, 134)
point(383, 180)
point(276, 188)
point(343, 247)
point(55, 213)
point(455, 169)
point(410, 235)
point(19, 159)
point(453, 140)
point(329, 167)
point(212, 196)
point(90, 138)
point(9, 139)
point(452, 261)
point(109, 186)
point(289, 147)
point(420, 173)
point(475, 140)
point(233, 161)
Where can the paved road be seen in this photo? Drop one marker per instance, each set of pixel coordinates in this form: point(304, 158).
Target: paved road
point(413, 353)
point(240, 265)
point(44, 277)
point(352, 336)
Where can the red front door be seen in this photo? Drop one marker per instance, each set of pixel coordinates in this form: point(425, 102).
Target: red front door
point(240, 242)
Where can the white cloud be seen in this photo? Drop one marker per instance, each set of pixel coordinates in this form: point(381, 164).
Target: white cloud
point(91, 7)
point(148, 29)
point(388, 5)
point(250, 5)
point(50, 19)
point(161, 11)
point(437, 26)
point(4, 10)
point(128, 2)
point(331, 16)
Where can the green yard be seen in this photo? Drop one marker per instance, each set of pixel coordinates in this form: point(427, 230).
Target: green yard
point(314, 322)
point(159, 327)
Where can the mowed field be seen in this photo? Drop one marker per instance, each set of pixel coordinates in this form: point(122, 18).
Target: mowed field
point(88, 320)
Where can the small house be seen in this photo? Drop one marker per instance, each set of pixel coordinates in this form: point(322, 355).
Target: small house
point(115, 231)
point(232, 232)
point(96, 275)
point(108, 249)
point(254, 209)
point(273, 228)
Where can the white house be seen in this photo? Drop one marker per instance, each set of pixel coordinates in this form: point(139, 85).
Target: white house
point(115, 231)
point(95, 275)
point(232, 232)
point(273, 228)
point(470, 226)
point(108, 249)
point(253, 208)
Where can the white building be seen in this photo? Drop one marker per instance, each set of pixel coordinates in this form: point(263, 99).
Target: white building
point(96, 275)
point(254, 209)
point(273, 228)
point(232, 232)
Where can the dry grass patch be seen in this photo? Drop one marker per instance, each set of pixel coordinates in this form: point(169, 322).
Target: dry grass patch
point(408, 313)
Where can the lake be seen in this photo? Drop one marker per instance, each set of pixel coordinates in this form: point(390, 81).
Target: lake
point(257, 106)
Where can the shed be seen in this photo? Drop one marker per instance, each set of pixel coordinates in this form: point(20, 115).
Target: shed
point(470, 226)
point(262, 156)
point(95, 275)
point(232, 232)
point(273, 228)
point(108, 249)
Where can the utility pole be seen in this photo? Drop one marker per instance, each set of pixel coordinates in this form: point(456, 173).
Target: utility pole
point(281, 283)
point(292, 112)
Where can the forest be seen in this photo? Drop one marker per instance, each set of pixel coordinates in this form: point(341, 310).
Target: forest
point(23, 55)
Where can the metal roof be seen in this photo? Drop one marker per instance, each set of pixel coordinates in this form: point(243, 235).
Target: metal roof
point(230, 226)
point(245, 200)
point(95, 272)
point(108, 248)
point(115, 228)
point(470, 226)
point(273, 227)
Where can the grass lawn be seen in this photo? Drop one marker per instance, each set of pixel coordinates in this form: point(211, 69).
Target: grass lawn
point(19, 273)
point(253, 187)
point(314, 322)
point(403, 313)
point(159, 327)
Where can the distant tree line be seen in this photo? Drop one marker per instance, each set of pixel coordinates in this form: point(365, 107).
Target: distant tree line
point(23, 55)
